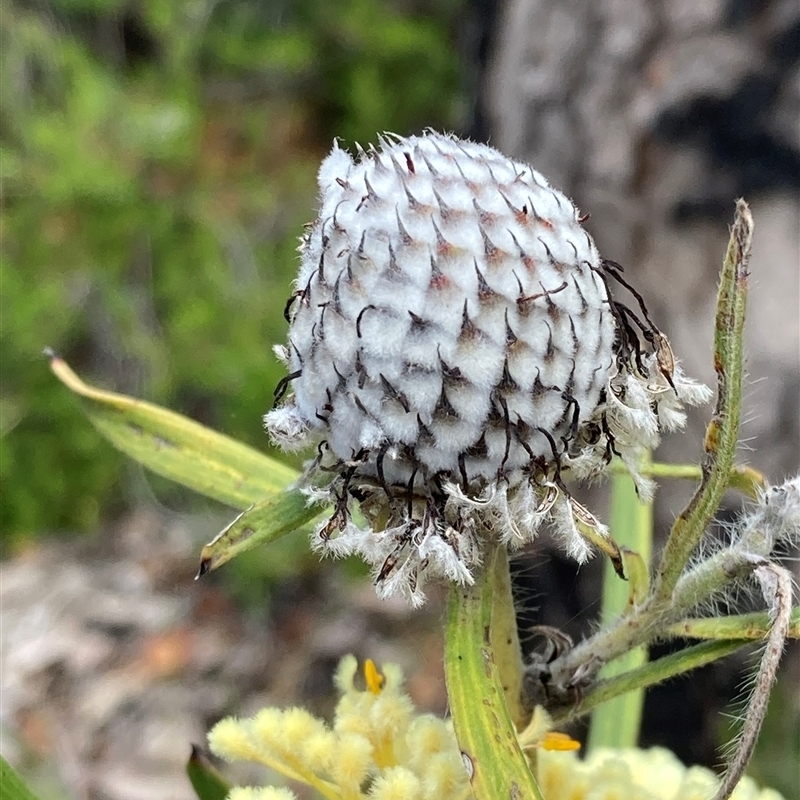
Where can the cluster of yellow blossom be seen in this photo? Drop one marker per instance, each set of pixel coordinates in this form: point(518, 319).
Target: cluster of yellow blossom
point(379, 748)
point(633, 774)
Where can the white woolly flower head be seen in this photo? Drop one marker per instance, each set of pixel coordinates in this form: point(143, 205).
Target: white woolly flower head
point(453, 342)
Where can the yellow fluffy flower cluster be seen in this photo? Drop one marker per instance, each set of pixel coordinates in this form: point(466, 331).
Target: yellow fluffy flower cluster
point(379, 748)
point(633, 774)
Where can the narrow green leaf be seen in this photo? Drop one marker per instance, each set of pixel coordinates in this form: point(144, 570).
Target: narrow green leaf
point(267, 520)
point(206, 779)
point(616, 724)
point(11, 785)
point(723, 430)
point(492, 756)
point(179, 448)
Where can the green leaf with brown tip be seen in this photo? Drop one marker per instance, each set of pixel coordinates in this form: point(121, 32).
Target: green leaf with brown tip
point(263, 522)
point(179, 448)
point(206, 779)
point(722, 433)
point(496, 765)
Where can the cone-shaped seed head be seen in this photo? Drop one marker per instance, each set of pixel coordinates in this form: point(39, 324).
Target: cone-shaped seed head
point(449, 313)
point(452, 349)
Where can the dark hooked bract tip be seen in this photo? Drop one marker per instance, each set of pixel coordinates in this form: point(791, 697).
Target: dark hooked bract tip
point(204, 569)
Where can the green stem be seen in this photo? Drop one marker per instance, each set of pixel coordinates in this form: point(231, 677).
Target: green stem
point(743, 478)
point(647, 675)
point(495, 763)
point(505, 640)
point(629, 631)
point(738, 626)
point(616, 724)
point(705, 580)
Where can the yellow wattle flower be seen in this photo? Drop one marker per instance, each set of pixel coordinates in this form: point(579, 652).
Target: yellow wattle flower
point(380, 748)
point(633, 774)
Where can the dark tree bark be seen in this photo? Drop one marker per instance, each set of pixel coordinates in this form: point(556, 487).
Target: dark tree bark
point(655, 115)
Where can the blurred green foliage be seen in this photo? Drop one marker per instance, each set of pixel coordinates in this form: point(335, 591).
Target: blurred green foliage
point(158, 161)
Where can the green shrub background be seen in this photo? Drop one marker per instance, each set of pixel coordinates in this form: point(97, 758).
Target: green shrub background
point(158, 162)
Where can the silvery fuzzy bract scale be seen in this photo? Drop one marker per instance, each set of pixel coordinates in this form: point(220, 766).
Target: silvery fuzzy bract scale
point(452, 346)
point(448, 296)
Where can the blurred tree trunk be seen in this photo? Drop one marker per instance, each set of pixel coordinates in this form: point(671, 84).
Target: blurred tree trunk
point(655, 115)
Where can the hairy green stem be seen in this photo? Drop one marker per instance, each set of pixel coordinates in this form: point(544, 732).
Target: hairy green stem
point(647, 675)
point(505, 640)
point(776, 587)
point(756, 625)
point(647, 621)
point(629, 631)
